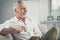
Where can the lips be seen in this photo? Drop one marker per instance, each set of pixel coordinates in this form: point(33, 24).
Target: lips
point(23, 16)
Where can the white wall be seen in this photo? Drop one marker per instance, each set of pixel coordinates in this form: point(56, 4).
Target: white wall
point(33, 10)
point(43, 10)
point(6, 10)
point(38, 10)
point(55, 8)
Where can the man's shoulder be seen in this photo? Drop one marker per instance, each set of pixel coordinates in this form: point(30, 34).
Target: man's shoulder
point(10, 20)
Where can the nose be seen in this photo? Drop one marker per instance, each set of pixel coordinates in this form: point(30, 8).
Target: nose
point(25, 10)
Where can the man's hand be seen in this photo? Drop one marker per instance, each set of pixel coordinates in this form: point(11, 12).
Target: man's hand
point(19, 28)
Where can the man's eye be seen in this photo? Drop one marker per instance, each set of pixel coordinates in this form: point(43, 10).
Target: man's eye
point(22, 8)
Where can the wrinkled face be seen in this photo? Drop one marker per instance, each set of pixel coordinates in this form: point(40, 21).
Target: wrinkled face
point(20, 11)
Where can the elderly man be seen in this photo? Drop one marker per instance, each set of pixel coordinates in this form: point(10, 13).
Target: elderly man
point(22, 27)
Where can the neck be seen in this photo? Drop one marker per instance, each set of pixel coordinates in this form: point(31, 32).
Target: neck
point(21, 18)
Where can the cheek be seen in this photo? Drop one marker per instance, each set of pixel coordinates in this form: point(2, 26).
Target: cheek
point(22, 10)
point(19, 11)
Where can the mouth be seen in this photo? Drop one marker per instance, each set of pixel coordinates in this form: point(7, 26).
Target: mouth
point(23, 16)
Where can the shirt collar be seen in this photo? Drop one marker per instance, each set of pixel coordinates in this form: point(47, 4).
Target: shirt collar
point(16, 18)
point(20, 20)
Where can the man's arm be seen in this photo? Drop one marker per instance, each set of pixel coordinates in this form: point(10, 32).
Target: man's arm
point(9, 31)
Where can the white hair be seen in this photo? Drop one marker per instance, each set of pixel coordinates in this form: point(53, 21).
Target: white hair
point(16, 4)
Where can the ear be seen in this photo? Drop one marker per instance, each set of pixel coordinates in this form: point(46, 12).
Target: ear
point(15, 11)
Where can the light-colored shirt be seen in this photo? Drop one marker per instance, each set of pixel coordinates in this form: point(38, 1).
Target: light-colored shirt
point(31, 29)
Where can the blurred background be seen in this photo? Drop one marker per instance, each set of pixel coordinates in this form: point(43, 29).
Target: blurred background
point(41, 11)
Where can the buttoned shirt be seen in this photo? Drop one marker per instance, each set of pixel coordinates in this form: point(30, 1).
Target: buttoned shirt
point(30, 28)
